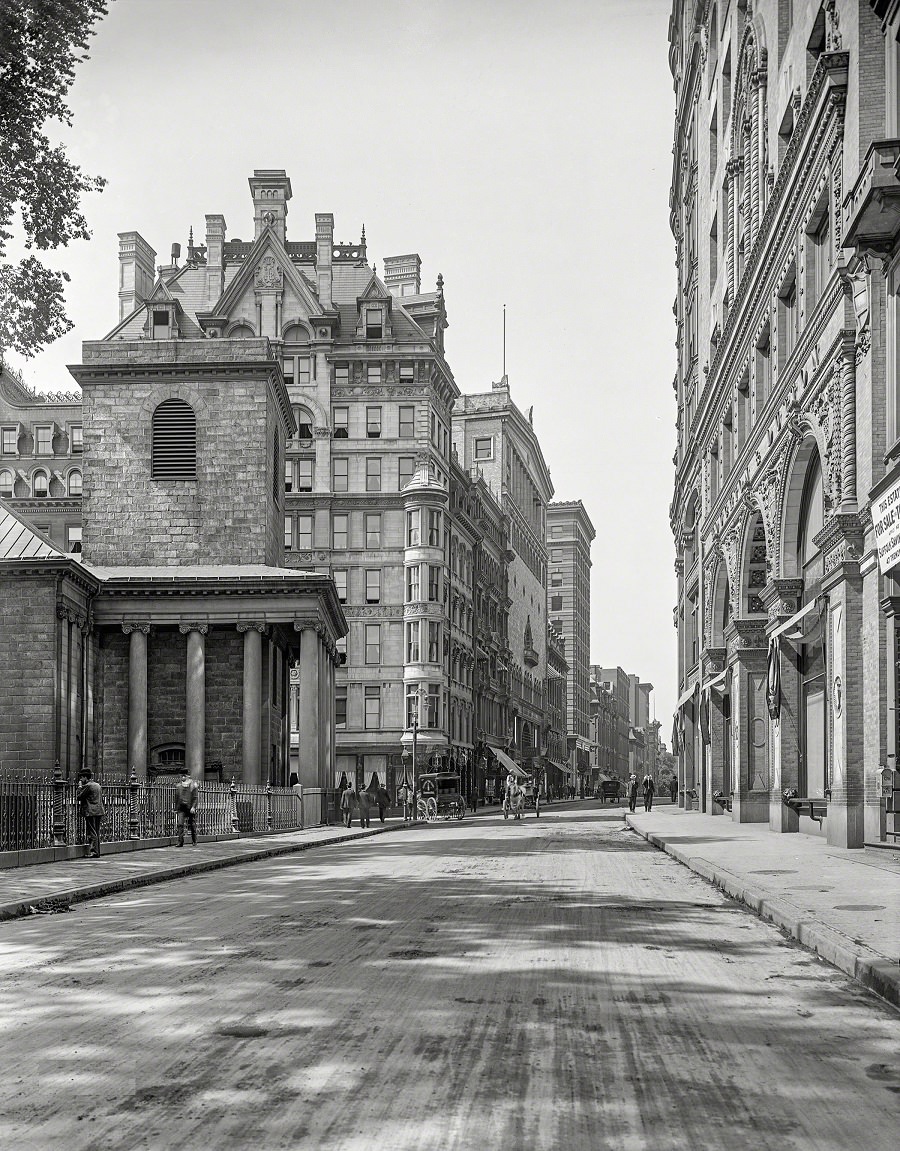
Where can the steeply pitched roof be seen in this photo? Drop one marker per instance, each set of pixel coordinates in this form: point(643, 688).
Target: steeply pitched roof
point(19, 541)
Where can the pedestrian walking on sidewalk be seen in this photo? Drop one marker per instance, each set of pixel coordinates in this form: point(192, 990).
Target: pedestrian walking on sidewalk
point(347, 806)
point(90, 800)
point(649, 787)
point(186, 795)
point(632, 791)
point(364, 802)
point(673, 789)
point(404, 795)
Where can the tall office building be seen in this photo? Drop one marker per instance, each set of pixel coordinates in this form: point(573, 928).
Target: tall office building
point(569, 536)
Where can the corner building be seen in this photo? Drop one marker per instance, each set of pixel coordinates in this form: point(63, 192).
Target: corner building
point(784, 415)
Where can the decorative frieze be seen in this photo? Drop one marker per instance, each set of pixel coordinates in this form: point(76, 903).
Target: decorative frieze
point(841, 542)
point(781, 598)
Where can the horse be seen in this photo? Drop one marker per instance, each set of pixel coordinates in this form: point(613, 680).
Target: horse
point(514, 801)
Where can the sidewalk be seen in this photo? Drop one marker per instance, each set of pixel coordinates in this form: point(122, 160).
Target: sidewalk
point(52, 886)
point(844, 905)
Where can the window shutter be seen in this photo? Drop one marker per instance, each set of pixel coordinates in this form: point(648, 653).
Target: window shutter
point(174, 447)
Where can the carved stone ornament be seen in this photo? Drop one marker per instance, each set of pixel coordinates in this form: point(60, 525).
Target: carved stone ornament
point(243, 626)
point(130, 625)
point(840, 541)
point(781, 598)
point(63, 611)
point(751, 633)
point(268, 274)
point(184, 628)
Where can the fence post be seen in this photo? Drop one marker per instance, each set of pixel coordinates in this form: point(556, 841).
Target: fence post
point(268, 806)
point(235, 826)
point(59, 807)
point(134, 831)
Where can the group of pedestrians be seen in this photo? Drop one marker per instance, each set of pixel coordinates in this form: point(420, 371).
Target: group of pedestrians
point(89, 796)
point(647, 786)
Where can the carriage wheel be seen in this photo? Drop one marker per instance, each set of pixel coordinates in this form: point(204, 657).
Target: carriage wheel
point(431, 809)
point(460, 810)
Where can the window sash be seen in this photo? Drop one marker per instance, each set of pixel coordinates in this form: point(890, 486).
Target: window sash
point(340, 582)
point(407, 421)
point(339, 531)
point(373, 529)
point(305, 475)
point(373, 643)
point(373, 474)
point(373, 585)
point(304, 533)
point(340, 474)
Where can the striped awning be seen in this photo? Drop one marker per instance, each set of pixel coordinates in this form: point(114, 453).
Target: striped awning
point(509, 764)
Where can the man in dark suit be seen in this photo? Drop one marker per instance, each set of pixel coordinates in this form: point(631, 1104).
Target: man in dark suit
point(90, 800)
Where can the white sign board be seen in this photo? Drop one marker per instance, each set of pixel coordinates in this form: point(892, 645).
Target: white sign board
point(886, 520)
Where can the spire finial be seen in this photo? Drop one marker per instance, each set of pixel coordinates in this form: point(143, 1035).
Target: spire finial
point(362, 238)
point(440, 284)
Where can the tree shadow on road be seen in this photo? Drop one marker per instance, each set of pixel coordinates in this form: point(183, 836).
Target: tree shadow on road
point(445, 990)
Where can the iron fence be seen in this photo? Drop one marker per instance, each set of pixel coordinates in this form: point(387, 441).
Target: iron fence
point(42, 811)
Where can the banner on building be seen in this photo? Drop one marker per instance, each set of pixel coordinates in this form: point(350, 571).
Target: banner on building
point(886, 521)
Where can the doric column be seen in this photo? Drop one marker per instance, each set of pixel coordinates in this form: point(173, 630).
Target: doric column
point(137, 696)
point(309, 705)
point(251, 732)
point(195, 699)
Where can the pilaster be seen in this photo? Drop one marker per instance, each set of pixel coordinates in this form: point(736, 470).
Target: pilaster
point(746, 643)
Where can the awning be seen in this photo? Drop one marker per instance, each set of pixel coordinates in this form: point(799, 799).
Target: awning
point(685, 696)
point(792, 622)
point(717, 680)
point(510, 764)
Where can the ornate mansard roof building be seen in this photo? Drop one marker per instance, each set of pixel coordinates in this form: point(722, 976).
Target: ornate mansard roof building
point(787, 701)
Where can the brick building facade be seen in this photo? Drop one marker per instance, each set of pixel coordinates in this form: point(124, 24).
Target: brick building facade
point(784, 413)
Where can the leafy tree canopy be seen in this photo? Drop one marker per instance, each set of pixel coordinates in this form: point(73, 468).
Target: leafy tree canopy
point(41, 42)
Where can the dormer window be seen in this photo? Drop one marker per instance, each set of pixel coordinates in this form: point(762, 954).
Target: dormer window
point(374, 323)
point(160, 326)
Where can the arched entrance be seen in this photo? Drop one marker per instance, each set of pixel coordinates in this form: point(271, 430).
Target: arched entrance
point(810, 639)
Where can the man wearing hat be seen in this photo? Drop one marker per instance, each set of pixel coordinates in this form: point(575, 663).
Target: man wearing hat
point(90, 800)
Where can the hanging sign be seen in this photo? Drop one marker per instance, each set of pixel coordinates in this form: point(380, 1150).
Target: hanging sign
point(886, 521)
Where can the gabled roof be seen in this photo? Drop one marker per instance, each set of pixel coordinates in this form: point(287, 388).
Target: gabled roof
point(267, 241)
point(20, 541)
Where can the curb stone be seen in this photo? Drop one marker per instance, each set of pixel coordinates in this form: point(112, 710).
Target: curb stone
point(863, 965)
point(27, 906)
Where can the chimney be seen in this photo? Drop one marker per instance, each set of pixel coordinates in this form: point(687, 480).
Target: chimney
point(271, 190)
point(215, 259)
point(402, 275)
point(324, 245)
point(137, 263)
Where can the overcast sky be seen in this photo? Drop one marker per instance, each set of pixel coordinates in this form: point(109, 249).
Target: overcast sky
point(521, 147)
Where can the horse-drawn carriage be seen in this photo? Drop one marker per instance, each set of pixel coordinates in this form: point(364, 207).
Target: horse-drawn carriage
point(440, 797)
point(520, 795)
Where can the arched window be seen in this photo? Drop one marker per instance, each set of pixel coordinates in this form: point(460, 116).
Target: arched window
point(174, 441)
point(75, 482)
point(812, 520)
point(242, 332)
point(6, 484)
point(40, 485)
point(304, 421)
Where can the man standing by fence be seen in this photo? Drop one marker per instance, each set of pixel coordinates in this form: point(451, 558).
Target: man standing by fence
point(186, 805)
point(90, 799)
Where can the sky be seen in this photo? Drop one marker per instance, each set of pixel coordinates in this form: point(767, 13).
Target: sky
point(522, 148)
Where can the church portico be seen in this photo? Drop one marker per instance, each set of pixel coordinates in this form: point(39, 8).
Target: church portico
point(200, 664)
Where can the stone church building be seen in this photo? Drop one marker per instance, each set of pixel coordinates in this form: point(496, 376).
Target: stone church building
point(169, 639)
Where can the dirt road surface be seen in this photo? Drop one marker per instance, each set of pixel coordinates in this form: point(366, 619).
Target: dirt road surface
point(545, 985)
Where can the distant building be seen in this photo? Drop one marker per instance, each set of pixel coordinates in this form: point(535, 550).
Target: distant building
point(41, 453)
point(557, 772)
point(491, 434)
point(569, 536)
